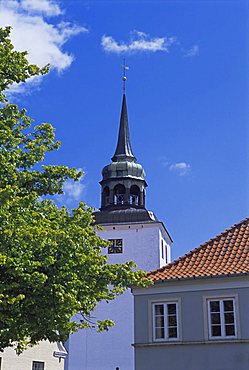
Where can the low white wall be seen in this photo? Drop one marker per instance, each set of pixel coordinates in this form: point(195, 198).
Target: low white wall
point(42, 352)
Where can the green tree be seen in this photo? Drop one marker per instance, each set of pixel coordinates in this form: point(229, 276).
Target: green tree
point(51, 262)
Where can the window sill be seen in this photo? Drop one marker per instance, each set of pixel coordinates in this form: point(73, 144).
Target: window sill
point(179, 342)
point(218, 339)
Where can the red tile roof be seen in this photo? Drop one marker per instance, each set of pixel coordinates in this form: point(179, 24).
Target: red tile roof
point(225, 254)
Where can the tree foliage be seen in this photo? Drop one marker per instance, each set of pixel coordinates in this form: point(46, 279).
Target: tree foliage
point(51, 261)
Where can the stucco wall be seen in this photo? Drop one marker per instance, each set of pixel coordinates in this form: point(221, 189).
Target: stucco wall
point(42, 352)
point(194, 357)
point(193, 351)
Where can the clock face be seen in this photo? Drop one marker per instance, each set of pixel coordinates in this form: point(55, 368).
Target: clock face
point(116, 246)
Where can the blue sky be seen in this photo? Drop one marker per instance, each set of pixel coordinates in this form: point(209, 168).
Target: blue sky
point(187, 96)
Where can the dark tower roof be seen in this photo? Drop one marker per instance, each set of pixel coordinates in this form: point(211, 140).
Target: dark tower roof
point(123, 150)
point(123, 183)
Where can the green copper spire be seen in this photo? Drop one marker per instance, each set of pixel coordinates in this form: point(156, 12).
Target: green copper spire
point(123, 150)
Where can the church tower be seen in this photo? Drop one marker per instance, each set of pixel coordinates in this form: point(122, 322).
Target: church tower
point(136, 235)
point(123, 184)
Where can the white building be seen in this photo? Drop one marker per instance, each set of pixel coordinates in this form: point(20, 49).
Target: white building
point(43, 356)
point(137, 235)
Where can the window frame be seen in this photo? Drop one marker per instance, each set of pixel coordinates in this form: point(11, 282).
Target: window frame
point(165, 304)
point(38, 362)
point(221, 300)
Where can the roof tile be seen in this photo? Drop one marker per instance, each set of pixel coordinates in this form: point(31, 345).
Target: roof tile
point(225, 254)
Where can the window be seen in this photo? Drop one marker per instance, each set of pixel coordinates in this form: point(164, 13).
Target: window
point(162, 247)
point(119, 194)
point(37, 365)
point(165, 321)
point(164, 252)
point(134, 199)
point(119, 199)
point(134, 195)
point(106, 196)
point(116, 246)
point(222, 320)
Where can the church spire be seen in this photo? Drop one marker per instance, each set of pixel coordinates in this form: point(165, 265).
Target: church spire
point(123, 150)
point(123, 183)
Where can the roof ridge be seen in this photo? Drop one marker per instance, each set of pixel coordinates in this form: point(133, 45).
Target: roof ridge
point(201, 246)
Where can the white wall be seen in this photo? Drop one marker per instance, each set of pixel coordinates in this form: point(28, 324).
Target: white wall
point(141, 244)
point(42, 352)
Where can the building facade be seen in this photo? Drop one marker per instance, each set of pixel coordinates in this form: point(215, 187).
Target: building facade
point(44, 356)
point(135, 234)
point(195, 316)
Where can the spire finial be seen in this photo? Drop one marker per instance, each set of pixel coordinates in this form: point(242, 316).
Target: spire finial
point(125, 68)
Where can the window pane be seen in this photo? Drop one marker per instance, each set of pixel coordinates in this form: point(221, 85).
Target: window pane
point(216, 330)
point(159, 333)
point(222, 318)
point(228, 305)
point(37, 365)
point(171, 309)
point(172, 320)
point(229, 318)
point(230, 329)
point(214, 306)
point(159, 321)
point(165, 321)
point(159, 309)
point(172, 332)
point(215, 318)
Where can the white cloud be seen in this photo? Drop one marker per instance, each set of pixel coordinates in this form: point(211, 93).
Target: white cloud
point(181, 168)
point(23, 88)
point(73, 191)
point(139, 42)
point(192, 52)
point(31, 31)
point(164, 161)
point(48, 7)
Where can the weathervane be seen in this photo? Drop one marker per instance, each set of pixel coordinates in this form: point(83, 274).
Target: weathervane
point(125, 68)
